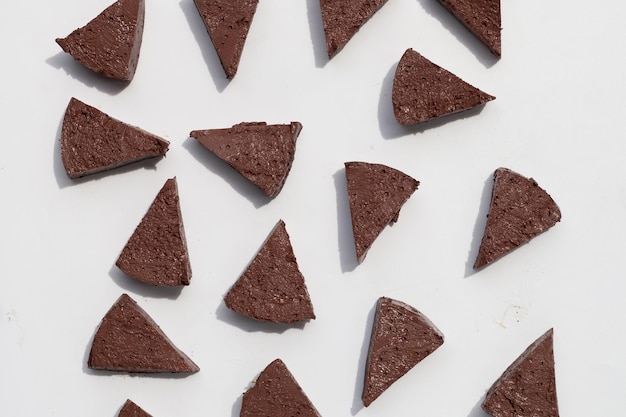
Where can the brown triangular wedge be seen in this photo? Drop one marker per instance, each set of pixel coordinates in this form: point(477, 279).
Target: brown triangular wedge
point(519, 211)
point(527, 388)
point(110, 43)
point(424, 91)
point(401, 338)
point(228, 23)
point(130, 409)
point(272, 287)
point(156, 253)
point(92, 141)
point(260, 152)
point(481, 17)
point(128, 340)
point(342, 19)
point(276, 393)
point(376, 194)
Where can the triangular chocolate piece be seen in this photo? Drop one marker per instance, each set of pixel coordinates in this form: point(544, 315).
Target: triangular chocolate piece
point(92, 141)
point(342, 19)
point(376, 194)
point(260, 152)
point(272, 287)
point(424, 91)
point(110, 43)
point(128, 340)
point(528, 386)
point(130, 409)
point(276, 393)
point(481, 17)
point(228, 23)
point(519, 211)
point(156, 253)
point(401, 338)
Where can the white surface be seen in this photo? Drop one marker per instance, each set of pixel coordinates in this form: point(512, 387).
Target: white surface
point(558, 117)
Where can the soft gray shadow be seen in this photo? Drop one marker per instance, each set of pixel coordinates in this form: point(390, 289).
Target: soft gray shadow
point(236, 408)
point(459, 31)
point(95, 372)
point(389, 126)
point(357, 401)
point(83, 74)
point(250, 325)
point(220, 168)
point(477, 411)
point(209, 54)
point(317, 32)
point(143, 289)
point(64, 181)
point(479, 227)
point(345, 238)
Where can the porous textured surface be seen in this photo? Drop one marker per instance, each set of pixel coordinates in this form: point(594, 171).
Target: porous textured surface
point(110, 43)
point(424, 91)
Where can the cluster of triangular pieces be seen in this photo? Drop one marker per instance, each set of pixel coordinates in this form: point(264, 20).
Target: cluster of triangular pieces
point(92, 141)
point(272, 288)
point(482, 18)
point(376, 193)
point(401, 338)
point(110, 43)
point(424, 91)
point(528, 386)
point(276, 393)
point(519, 211)
point(228, 23)
point(262, 153)
point(129, 340)
point(156, 253)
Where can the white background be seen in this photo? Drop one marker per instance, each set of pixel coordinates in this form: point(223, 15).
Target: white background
point(558, 117)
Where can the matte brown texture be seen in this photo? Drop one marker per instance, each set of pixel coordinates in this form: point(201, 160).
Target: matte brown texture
point(260, 152)
point(276, 393)
point(92, 141)
point(482, 18)
point(156, 253)
point(376, 194)
point(527, 388)
point(110, 43)
point(228, 23)
point(130, 409)
point(128, 340)
point(401, 338)
point(424, 91)
point(519, 211)
point(342, 19)
point(272, 287)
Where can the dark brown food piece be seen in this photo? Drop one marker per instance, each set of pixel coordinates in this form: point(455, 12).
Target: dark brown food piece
point(128, 340)
point(276, 393)
point(272, 287)
point(528, 386)
point(130, 409)
point(424, 91)
point(92, 141)
point(156, 253)
point(519, 211)
point(342, 19)
point(481, 17)
point(376, 194)
point(401, 338)
point(228, 23)
point(260, 152)
point(110, 43)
